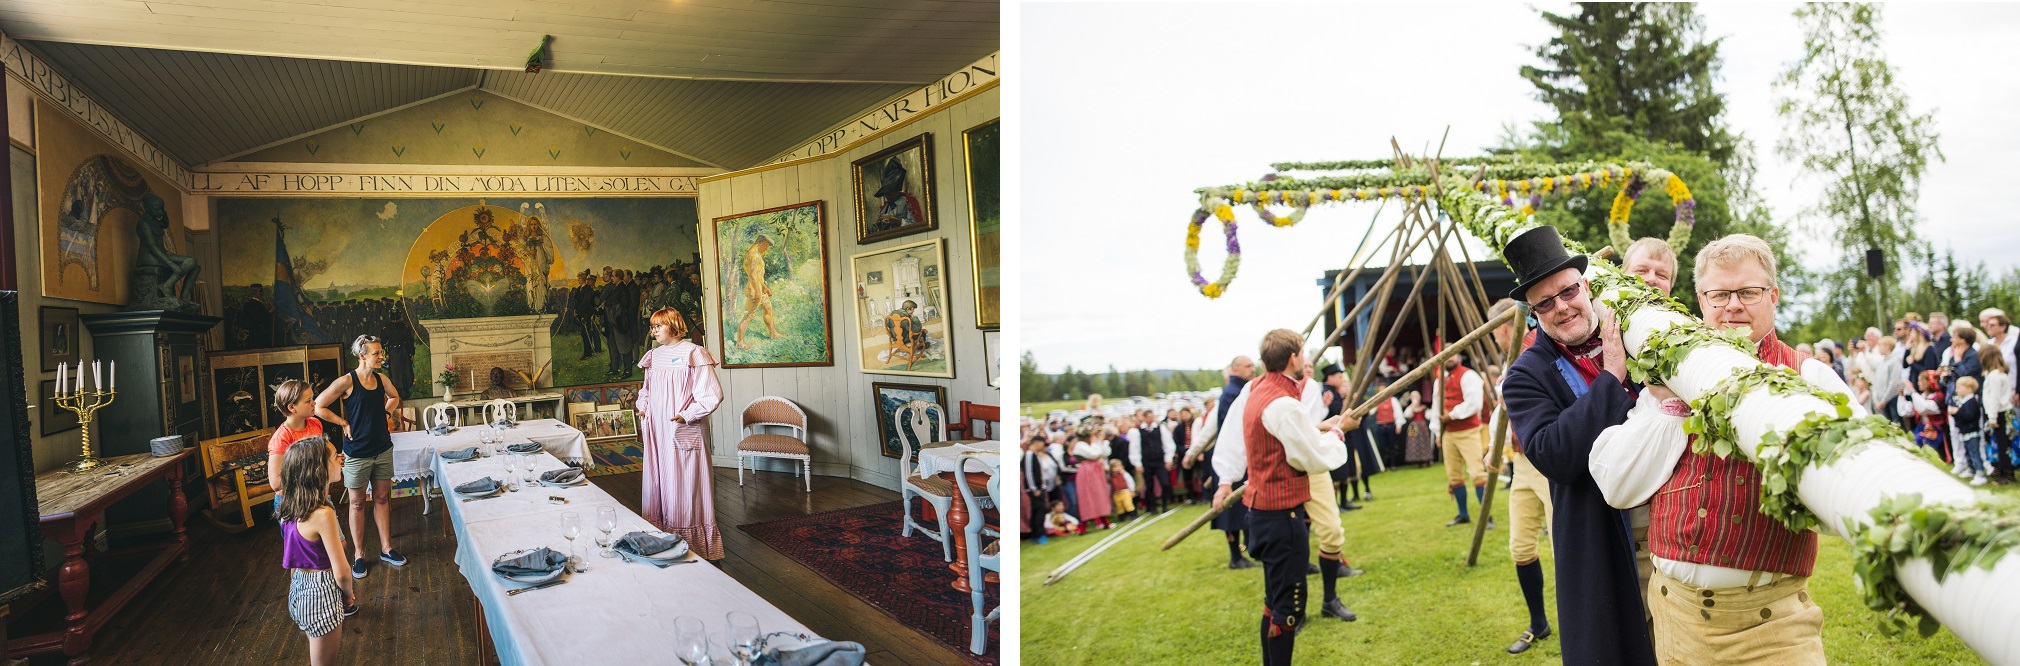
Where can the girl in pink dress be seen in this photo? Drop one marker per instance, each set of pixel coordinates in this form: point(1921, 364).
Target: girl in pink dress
point(680, 390)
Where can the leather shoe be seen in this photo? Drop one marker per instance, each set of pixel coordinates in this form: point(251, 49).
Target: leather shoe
point(1350, 506)
point(1462, 520)
point(1242, 563)
point(1333, 608)
point(1311, 569)
point(1529, 638)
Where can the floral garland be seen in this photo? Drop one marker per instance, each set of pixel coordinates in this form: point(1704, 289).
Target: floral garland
point(1953, 539)
point(1623, 204)
point(1364, 165)
point(1219, 209)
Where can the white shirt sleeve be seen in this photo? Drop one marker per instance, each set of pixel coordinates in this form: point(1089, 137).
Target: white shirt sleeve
point(1314, 400)
point(1472, 392)
point(1135, 448)
point(1230, 453)
point(1170, 444)
point(1632, 460)
point(1820, 373)
point(1305, 448)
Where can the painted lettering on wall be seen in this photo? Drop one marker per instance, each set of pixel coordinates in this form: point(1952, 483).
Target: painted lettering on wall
point(947, 89)
point(53, 87)
point(383, 183)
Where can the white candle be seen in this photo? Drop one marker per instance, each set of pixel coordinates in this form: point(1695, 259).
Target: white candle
point(114, 371)
point(78, 385)
point(97, 376)
point(61, 369)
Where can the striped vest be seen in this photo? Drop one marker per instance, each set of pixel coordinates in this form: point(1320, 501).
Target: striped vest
point(1455, 395)
point(1709, 510)
point(1273, 485)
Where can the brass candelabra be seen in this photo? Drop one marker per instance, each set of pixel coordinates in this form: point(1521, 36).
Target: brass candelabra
point(86, 405)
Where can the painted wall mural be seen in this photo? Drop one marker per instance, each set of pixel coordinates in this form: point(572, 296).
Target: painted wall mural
point(561, 285)
point(471, 128)
point(96, 198)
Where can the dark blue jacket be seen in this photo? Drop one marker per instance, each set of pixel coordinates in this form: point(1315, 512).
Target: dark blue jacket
point(1599, 602)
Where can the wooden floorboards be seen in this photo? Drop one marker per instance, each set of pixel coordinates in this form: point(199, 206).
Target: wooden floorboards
point(228, 603)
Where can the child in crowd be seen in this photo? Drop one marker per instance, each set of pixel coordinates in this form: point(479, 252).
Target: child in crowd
point(297, 404)
point(1969, 414)
point(1998, 398)
point(1862, 393)
point(320, 596)
point(1059, 523)
point(1125, 490)
point(1930, 420)
point(1091, 478)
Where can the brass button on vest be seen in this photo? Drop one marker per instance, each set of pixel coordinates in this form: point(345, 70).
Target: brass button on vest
point(1764, 613)
point(1665, 590)
point(1702, 512)
point(1706, 613)
point(1707, 593)
point(1709, 603)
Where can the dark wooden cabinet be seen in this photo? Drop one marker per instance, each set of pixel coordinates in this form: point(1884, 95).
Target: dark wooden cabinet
point(161, 387)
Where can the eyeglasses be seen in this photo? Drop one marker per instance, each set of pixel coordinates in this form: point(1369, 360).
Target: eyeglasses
point(1565, 296)
point(1747, 295)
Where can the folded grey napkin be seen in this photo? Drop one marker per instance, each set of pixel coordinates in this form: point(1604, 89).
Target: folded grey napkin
point(483, 486)
point(523, 447)
point(505, 423)
point(534, 563)
point(565, 475)
point(640, 543)
point(464, 453)
point(440, 429)
point(829, 653)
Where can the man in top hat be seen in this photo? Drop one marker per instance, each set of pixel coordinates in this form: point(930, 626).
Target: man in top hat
point(1730, 583)
point(1560, 394)
point(1283, 446)
point(900, 207)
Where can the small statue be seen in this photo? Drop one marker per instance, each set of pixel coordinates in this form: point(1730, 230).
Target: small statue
point(161, 279)
point(498, 388)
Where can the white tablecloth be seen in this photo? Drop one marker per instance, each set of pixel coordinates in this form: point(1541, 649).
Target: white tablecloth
point(410, 459)
point(948, 458)
point(615, 613)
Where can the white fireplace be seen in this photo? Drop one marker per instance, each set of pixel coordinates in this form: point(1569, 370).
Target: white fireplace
point(474, 346)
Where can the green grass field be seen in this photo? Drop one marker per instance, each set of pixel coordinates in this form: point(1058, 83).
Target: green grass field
point(1418, 604)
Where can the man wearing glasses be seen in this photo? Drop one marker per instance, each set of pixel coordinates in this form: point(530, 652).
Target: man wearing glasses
point(1560, 394)
point(1730, 583)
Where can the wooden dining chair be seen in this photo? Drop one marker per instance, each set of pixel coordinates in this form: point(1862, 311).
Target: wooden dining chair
point(776, 412)
point(499, 409)
point(984, 545)
point(440, 413)
point(926, 423)
point(983, 422)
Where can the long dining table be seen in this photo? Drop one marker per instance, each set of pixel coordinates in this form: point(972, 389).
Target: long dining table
point(616, 612)
point(414, 450)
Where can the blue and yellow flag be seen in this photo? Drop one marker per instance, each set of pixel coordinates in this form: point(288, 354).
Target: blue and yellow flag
point(293, 325)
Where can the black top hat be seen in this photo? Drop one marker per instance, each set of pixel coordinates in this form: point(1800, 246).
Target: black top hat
point(894, 179)
point(1330, 370)
point(1537, 254)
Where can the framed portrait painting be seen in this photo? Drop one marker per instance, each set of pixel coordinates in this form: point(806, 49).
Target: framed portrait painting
point(894, 191)
point(902, 323)
point(892, 396)
point(54, 419)
point(59, 337)
point(982, 146)
point(772, 282)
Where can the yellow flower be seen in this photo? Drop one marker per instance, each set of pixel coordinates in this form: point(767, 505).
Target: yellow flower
point(1211, 290)
point(1240, 196)
point(1548, 184)
point(1522, 186)
point(1224, 212)
point(1678, 192)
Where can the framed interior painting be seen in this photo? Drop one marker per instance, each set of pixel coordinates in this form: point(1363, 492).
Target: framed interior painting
point(992, 356)
point(982, 146)
point(902, 323)
point(772, 268)
point(894, 191)
point(892, 396)
point(606, 424)
point(588, 394)
point(54, 419)
point(59, 337)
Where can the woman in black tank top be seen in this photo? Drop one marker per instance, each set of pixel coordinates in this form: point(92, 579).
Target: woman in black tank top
point(365, 397)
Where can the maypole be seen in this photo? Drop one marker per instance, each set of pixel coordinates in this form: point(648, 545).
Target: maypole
point(1927, 548)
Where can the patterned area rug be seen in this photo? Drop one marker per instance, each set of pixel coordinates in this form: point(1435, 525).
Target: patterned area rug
point(860, 551)
point(616, 457)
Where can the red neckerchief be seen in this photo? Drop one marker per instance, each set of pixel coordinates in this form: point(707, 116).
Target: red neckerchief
point(1584, 357)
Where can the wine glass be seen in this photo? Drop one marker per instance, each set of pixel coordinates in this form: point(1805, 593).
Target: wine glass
point(511, 479)
point(690, 640)
point(606, 520)
point(571, 527)
point(744, 636)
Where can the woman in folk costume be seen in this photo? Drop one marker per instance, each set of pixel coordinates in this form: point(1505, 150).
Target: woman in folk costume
point(1096, 500)
point(680, 390)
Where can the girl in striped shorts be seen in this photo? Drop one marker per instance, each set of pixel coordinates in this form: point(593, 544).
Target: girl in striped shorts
point(312, 550)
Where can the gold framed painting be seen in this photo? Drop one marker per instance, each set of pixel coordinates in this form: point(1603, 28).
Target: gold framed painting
point(894, 191)
point(901, 320)
point(981, 147)
point(772, 289)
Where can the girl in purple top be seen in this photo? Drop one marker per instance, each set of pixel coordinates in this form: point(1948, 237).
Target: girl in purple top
point(320, 595)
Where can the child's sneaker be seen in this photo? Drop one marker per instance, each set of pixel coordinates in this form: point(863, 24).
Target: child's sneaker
point(358, 568)
point(350, 610)
point(1978, 480)
point(393, 557)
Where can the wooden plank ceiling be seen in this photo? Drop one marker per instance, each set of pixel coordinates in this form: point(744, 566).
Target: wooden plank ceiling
point(730, 82)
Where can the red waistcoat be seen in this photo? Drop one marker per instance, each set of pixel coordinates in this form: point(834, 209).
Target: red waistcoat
point(1385, 412)
point(1709, 510)
point(1273, 485)
point(1454, 395)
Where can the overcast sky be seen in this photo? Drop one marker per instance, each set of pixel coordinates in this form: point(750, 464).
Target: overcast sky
point(1130, 107)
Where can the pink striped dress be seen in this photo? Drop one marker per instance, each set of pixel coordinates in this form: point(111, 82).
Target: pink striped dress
point(678, 491)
